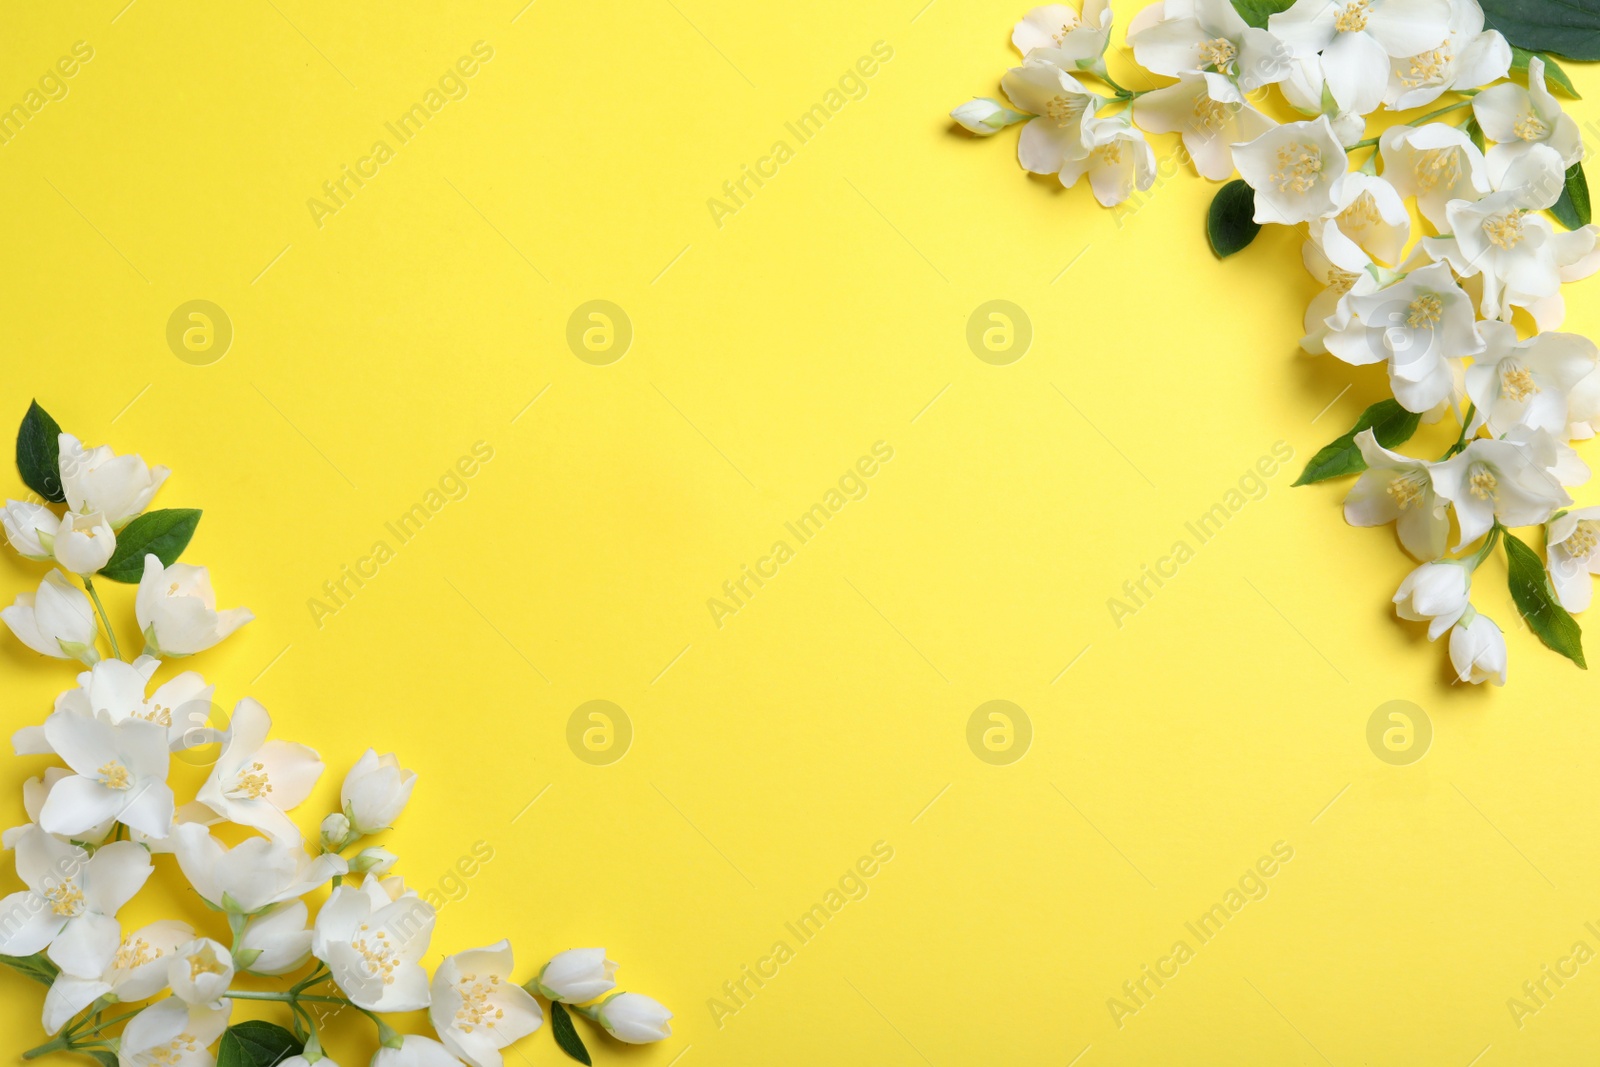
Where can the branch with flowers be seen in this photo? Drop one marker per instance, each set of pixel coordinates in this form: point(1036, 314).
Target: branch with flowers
point(163, 995)
point(1430, 241)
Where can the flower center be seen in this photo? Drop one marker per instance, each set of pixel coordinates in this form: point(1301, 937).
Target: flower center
point(66, 899)
point(252, 782)
point(1064, 109)
point(376, 952)
point(1067, 27)
point(1585, 537)
point(1424, 311)
point(1505, 231)
point(1429, 67)
point(115, 776)
point(134, 952)
point(1299, 166)
point(172, 590)
point(1210, 114)
point(1342, 281)
point(1483, 483)
point(1436, 165)
point(175, 1051)
point(1218, 52)
point(1362, 213)
point(1353, 19)
point(1531, 128)
point(1110, 152)
point(1517, 382)
point(1406, 489)
point(476, 1008)
point(204, 963)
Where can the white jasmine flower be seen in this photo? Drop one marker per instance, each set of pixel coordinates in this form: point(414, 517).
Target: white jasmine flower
point(199, 973)
point(1213, 38)
point(986, 117)
point(414, 1051)
point(255, 781)
point(29, 527)
point(375, 792)
point(275, 941)
point(34, 793)
point(1119, 161)
point(477, 1008)
point(71, 901)
point(1478, 650)
point(1502, 480)
point(1344, 269)
point(1583, 408)
point(1551, 454)
point(120, 773)
point(372, 945)
point(1060, 103)
point(1369, 211)
point(1519, 119)
point(170, 1033)
point(634, 1018)
point(1398, 489)
point(253, 875)
point(114, 690)
point(1526, 383)
point(1057, 34)
point(1436, 593)
point(1436, 164)
point(1419, 325)
point(1295, 169)
point(177, 610)
point(137, 972)
point(99, 480)
point(1577, 255)
point(1209, 112)
point(56, 621)
point(1357, 40)
point(577, 975)
point(1573, 546)
point(1469, 57)
point(84, 543)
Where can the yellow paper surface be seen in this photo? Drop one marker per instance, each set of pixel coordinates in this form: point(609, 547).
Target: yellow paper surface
point(421, 320)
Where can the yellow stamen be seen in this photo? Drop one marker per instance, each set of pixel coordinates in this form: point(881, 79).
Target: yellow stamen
point(1425, 311)
point(1218, 52)
point(1429, 67)
point(1406, 489)
point(476, 1007)
point(1353, 19)
point(253, 781)
point(1434, 166)
point(115, 776)
point(1483, 483)
point(66, 899)
point(1585, 538)
point(1505, 231)
point(1516, 383)
point(1299, 167)
point(1531, 128)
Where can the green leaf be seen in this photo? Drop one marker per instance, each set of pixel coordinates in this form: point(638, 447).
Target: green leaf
point(37, 966)
point(1390, 424)
point(105, 1057)
point(1255, 12)
point(165, 533)
point(567, 1034)
point(1536, 599)
point(1231, 224)
point(1569, 28)
point(1474, 133)
point(1553, 74)
point(1572, 209)
point(256, 1044)
point(39, 454)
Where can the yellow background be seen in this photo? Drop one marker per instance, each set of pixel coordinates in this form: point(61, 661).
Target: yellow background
point(830, 713)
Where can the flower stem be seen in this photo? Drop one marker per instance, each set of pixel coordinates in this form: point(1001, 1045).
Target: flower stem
point(59, 1043)
point(1372, 142)
point(1488, 544)
point(111, 635)
point(1461, 441)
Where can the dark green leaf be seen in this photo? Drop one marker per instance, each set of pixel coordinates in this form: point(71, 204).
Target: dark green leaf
point(1231, 224)
point(1474, 133)
point(256, 1044)
point(1536, 599)
point(1553, 74)
point(39, 453)
point(1572, 209)
point(1390, 424)
point(164, 533)
point(1568, 28)
point(37, 966)
point(567, 1034)
point(1256, 12)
